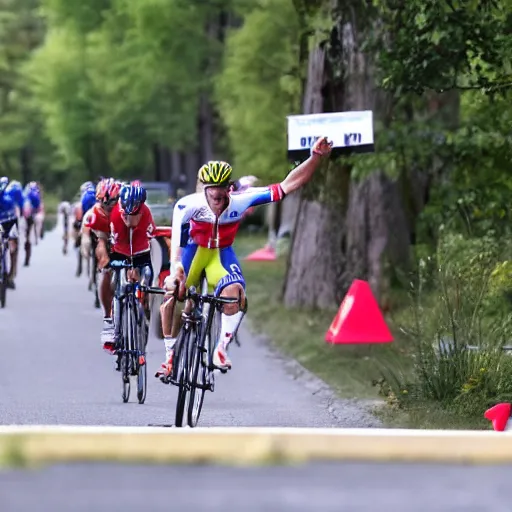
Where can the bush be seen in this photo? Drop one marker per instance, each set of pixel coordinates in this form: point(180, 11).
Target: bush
point(456, 330)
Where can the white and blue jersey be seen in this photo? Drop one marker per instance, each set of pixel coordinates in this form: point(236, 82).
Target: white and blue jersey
point(209, 231)
point(207, 239)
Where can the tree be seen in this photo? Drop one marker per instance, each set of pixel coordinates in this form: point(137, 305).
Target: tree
point(350, 207)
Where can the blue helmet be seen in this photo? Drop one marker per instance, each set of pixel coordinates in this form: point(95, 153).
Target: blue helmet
point(88, 199)
point(131, 199)
point(4, 181)
point(87, 185)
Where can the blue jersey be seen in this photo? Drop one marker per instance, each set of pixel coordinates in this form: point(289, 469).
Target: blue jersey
point(16, 194)
point(7, 208)
point(34, 198)
point(88, 200)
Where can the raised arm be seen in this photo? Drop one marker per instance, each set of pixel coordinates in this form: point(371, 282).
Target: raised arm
point(304, 172)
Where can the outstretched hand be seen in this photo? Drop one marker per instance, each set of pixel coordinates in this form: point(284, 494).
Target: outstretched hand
point(322, 147)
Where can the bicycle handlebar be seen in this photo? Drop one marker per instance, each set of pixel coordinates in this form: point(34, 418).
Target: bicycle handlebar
point(118, 264)
point(192, 294)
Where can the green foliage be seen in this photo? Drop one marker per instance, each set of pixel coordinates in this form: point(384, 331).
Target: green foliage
point(444, 44)
point(457, 330)
point(259, 86)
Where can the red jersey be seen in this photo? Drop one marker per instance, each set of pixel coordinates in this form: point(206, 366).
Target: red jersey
point(141, 233)
point(97, 219)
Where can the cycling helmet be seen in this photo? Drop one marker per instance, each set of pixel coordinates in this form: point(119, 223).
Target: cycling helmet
point(88, 200)
point(215, 173)
point(15, 185)
point(4, 181)
point(107, 190)
point(136, 183)
point(86, 186)
point(131, 199)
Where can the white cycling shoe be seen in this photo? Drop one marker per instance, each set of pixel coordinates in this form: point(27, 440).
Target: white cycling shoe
point(221, 359)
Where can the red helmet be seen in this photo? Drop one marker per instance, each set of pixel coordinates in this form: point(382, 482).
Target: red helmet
point(107, 190)
point(136, 183)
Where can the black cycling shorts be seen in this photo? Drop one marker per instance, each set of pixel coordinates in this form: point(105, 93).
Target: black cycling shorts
point(139, 261)
point(8, 225)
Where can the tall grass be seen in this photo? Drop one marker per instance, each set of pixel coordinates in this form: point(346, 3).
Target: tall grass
point(457, 325)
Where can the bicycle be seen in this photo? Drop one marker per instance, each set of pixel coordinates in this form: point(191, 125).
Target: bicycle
point(193, 368)
point(4, 267)
point(131, 328)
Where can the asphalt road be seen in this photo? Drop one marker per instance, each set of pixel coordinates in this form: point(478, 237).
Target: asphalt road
point(317, 487)
point(53, 369)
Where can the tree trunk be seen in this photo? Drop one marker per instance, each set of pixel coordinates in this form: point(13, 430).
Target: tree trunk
point(338, 80)
point(26, 170)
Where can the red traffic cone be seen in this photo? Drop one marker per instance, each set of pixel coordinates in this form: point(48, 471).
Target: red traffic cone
point(265, 254)
point(359, 319)
point(499, 415)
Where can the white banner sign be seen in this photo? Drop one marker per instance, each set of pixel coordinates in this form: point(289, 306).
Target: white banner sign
point(345, 129)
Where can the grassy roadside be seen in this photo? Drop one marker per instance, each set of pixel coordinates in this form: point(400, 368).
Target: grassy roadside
point(350, 370)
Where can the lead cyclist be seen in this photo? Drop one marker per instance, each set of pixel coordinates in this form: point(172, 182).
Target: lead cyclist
point(213, 217)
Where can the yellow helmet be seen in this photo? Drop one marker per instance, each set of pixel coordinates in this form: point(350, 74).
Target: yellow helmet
point(216, 173)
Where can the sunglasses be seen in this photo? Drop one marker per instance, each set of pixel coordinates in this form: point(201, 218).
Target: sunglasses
point(111, 202)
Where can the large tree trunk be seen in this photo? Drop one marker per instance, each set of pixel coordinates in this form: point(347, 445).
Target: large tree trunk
point(317, 273)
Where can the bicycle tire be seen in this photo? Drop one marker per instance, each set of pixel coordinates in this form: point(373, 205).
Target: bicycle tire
point(95, 282)
point(125, 355)
point(3, 289)
point(182, 368)
point(198, 379)
point(202, 362)
point(142, 377)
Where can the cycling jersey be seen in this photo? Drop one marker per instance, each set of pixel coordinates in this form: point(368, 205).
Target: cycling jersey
point(210, 232)
point(120, 232)
point(65, 208)
point(7, 208)
point(16, 194)
point(97, 219)
point(31, 204)
point(208, 244)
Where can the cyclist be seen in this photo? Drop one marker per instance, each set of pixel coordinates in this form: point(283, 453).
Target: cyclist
point(78, 214)
point(87, 201)
point(65, 211)
point(8, 221)
point(130, 212)
point(214, 216)
point(31, 206)
point(98, 223)
point(15, 191)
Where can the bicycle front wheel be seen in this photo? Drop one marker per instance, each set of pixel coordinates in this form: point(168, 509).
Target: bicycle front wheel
point(125, 352)
point(198, 379)
point(181, 369)
point(142, 381)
